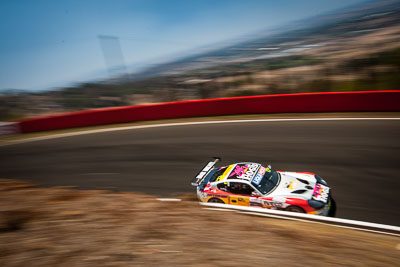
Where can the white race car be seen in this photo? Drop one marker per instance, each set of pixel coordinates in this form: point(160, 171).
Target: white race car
point(251, 184)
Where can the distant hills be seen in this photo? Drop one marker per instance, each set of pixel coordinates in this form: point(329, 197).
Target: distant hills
point(286, 40)
point(351, 49)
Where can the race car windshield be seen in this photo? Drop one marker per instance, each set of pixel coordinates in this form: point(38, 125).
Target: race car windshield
point(268, 183)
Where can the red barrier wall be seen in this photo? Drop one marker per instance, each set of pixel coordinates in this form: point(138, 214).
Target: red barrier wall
point(288, 103)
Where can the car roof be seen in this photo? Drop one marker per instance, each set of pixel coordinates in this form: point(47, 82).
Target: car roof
point(242, 171)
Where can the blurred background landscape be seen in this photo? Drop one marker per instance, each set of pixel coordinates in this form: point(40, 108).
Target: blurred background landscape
point(349, 49)
point(73, 196)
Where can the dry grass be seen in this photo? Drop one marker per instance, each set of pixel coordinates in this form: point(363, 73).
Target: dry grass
point(67, 227)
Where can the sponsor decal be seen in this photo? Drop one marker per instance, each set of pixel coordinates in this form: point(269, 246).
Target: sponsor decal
point(249, 172)
point(321, 193)
point(222, 176)
point(257, 179)
point(254, 201)
point(239, 170)
point(244, 171)
point(274, 204)
point(261, 170)
point(262, 202)
point(203, 194)
point(215, 195)
point(292, 185)
point(207, 187)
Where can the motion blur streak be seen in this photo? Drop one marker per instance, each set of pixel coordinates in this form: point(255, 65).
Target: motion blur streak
point(286, 103)
point(358, 157)
point(82, 132)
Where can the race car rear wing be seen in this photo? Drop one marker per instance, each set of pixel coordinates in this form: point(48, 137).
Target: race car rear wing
point(206, 169)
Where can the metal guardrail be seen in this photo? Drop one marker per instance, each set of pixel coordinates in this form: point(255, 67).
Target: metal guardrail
point(347, 223)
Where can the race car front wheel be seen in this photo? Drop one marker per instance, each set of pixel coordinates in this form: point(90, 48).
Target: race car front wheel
point(295, 209)
point(332, 210)
point(215, 200)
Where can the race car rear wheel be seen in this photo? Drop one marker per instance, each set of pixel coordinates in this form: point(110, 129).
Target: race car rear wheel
point(215, 200)
point(295, 209)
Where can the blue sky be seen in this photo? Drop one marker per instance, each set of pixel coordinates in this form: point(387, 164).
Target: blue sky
point(48, 44)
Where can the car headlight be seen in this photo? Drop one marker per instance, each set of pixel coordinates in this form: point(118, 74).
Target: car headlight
point(320, 180)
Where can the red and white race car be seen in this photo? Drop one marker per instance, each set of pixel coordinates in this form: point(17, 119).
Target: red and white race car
point(251, 184)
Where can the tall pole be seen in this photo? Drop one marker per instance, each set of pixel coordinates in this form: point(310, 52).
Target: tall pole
point(113, 56)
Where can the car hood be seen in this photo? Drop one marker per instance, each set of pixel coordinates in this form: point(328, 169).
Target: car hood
point(294, 184)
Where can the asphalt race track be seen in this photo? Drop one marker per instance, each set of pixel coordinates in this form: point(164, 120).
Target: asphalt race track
point(360, 159)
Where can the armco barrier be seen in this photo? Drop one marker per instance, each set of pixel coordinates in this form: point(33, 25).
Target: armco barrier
point(371, 101)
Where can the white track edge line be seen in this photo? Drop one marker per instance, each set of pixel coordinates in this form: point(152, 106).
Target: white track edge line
point(323, 223)
point(169, 199)
point(302, 220)
point(305, 216)
point(179, 124)
point(217, 209)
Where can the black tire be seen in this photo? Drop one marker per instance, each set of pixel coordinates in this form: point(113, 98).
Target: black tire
point(332, 210)
point(215, 200)
point(295, 209)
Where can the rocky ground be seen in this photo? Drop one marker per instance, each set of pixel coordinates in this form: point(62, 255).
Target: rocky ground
point(68, 227)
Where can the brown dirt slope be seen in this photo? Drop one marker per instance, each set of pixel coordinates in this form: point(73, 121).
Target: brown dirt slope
point(67, 227)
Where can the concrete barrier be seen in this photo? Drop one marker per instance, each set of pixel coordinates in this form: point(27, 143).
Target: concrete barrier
point(367, 101)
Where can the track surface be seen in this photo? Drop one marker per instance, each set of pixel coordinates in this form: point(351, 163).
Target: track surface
point(359, 159)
